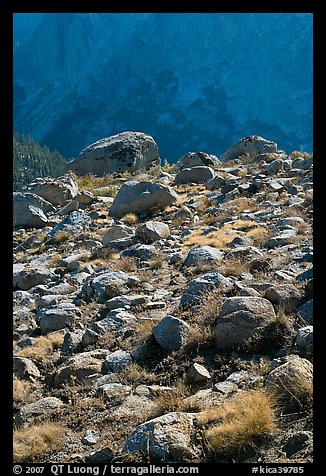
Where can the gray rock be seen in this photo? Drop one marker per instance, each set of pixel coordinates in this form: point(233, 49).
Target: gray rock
point(171, 333)
point(71, 263)
point(292, 381)
point(116, 232)
point(304, 340)
point(41, 408)
point(29, 210)
point(84, 197)
point(90, 437)
point(253, 145)
point(114, 392)
point(298, 163)
point(241, 318)
point(29, 278)
point(198, 374)
point(152, 231)
point(240, 241)
point(226, 388)
point(76, 369)
point(116, 361)
point(70, 207)
point(202, 284)
point(203, 255)
point(198, 174)
point(166, 438)
point(126, 302)
point(305, 275)
point(296, 441)
point(25, 369)
point(58, 317)
point(71, 341)
point(285, 238)
point(73, 223)
point(104, 455)
point(56, 191)
point(139, 197)
point(108, 285)
point(193, 159)
point(142, 252)
point(125, 151)
point(274, 167)
point(216, 182)
point(289, 221)
point(284, 295)
point(306, 311)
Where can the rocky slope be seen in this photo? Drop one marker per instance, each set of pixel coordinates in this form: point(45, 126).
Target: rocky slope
point(178, 330)
point(167, 74)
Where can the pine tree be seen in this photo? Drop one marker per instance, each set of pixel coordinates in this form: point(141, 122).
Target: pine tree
point(31, 160)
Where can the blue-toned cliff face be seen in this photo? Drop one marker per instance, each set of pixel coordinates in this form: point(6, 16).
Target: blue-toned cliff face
point(192, 81)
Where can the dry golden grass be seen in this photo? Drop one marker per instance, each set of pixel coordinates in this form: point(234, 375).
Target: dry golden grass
point(238, 422)
point(136, 375)
point(29, 444)
point(130, 219)
point(297, 153)
point(308, 198)
point(125, 264)
point(43, 347)
point(107, 191)
point(54, 261)
point(240, 204)
point(243, 225)
point(234, 267)
point(174, 400)
point(90, 182)
point(22, 391)
point(157, 263)
point(217, 239)
point(62, 236)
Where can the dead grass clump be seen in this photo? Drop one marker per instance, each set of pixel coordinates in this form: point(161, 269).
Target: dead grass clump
point(240, 204)
point(125, 264)
point(62, 237)
point(108, 191)
point(43, 347)
point(174, 400)
point(243, 225)
point(29, 444)
point(130, 218)
point(239, 422)
point(136, 375)
point(217, 239)
point(308, 198)
point(157, 262)
point(202, 322)
point(234, 267)
point(22, 391)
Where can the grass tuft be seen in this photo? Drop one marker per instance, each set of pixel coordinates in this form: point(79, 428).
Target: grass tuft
point(238, 423)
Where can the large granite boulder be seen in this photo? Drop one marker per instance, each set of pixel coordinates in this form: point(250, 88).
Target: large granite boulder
point(198, 174)
point(240, 319)
point(29, 210)
point(125, 151)
point(56, 191)
point(253, 145)
point(192, 159)
point(139, 197)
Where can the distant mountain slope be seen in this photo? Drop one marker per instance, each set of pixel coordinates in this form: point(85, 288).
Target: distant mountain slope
point(192, 81)
point(32, 160)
